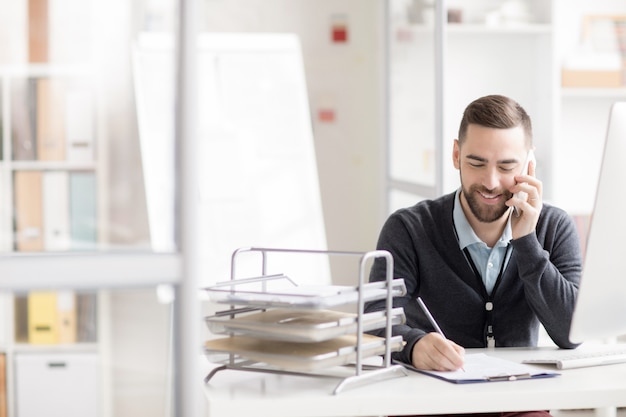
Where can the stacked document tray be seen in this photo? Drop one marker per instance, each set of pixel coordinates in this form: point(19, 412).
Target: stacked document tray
point(274, 323)
point(293, 329)
point(301, 357)
point(298, 325)
point(289, 295)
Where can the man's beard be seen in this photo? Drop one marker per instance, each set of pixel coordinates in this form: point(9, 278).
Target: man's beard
point(485, 213)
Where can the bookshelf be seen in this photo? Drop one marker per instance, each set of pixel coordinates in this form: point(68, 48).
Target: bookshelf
point(48, 144)
point(49, 177)
point(584, 103)
point(484, 52)
point(439, 61)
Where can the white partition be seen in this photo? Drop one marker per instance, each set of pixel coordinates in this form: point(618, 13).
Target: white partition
point(258, 182)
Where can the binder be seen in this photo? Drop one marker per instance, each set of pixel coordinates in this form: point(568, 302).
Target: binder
point(43, 322)
point(50, 119)
point(23, 119)
point(28, 211)
point(38, 30)
point(20, 312)
point(83, 220)
point(86, 312)
point(3, 385)
point(55, 202)
point(66, 308)
point(79, 125)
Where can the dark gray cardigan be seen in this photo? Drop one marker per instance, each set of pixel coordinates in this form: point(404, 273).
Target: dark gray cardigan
point(539, 285)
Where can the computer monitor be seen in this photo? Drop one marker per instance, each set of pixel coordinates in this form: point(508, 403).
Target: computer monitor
point(600, 311)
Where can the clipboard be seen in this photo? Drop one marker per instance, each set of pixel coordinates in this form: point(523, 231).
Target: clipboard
point(480, 367)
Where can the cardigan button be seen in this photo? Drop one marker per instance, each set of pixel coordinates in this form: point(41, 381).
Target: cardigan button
point(488, 306)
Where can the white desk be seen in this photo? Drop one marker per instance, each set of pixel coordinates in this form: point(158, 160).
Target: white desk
point(235, 393)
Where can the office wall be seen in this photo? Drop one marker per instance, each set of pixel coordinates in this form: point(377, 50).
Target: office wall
point(343, 80)
point(344, 86)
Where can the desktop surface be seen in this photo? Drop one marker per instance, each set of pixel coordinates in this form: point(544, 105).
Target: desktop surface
point(234, 392)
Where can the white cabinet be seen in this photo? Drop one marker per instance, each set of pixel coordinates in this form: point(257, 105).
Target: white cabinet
point(57, 385)
point(46, 342)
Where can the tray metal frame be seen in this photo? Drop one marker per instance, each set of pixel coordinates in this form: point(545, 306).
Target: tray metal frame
point(362, 373)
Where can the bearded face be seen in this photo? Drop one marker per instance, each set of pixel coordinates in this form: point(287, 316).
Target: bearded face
point(476, 197)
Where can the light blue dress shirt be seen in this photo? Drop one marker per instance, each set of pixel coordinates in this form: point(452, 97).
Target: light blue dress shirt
point(488, 260)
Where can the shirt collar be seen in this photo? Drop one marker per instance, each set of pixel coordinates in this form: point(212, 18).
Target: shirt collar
point(466, 234)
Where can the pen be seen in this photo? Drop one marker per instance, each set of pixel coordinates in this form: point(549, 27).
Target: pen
point(431, 319)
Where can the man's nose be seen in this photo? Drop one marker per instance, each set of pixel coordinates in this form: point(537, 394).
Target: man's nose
point(491, 179)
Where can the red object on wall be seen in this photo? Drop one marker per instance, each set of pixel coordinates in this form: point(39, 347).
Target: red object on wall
point(339, 33)
point(326, 115)
point(339, 28)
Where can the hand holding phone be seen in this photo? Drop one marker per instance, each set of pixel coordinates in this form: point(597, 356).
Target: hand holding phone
point(522, 195)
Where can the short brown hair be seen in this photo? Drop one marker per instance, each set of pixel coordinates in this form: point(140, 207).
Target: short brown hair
point(498, 112)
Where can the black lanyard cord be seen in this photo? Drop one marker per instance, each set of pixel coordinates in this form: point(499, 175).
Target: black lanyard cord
point(488, 297)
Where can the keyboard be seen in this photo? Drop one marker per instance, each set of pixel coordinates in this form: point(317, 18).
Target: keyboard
point(568, 359)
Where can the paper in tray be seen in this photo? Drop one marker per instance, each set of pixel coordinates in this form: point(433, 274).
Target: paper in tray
point(299, 325)
point(304, 297)
point(294, 356)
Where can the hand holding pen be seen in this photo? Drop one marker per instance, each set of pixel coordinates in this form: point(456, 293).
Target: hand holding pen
point(434, 351)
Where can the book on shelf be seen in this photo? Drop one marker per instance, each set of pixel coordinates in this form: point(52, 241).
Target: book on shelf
point(28, 211)
point(86, 318)
point(50, 119)
point(55, 210)
point(66, 310)
point(20, 313)
point(79, 124)
point(43, 321)
point(4, 326)
point(38, 33)
point(3, 384)
point(82, 201)
point(23, 118)
point(1, 126)
point(55, 201)
point(55, 317)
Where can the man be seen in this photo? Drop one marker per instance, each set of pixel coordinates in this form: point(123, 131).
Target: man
point(488, 276)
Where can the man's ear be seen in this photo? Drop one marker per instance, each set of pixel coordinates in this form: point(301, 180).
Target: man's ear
point(456, 154)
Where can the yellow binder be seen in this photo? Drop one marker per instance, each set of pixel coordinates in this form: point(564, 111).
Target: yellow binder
point(43, 318)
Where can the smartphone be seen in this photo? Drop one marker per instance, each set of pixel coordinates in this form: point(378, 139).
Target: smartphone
point(529, 157)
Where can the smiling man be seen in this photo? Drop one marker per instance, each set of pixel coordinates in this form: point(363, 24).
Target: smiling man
point(489, 277)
